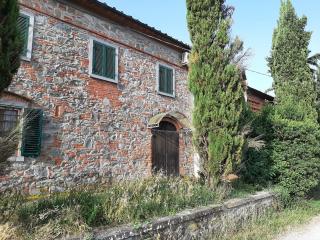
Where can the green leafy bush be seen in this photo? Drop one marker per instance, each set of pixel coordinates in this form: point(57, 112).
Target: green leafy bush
point(296, 155)
point(257, 165)
point(291, 157)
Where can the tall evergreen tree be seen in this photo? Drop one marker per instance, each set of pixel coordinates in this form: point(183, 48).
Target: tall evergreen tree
point(10, 42)
point(317, 78)
point(216, 85)
point(293, 82)
point(295, 147)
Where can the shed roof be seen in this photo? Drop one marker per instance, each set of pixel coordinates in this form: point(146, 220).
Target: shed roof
point(258, 93)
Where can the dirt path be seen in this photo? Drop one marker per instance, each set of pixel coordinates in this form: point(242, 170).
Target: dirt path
point(310, 231)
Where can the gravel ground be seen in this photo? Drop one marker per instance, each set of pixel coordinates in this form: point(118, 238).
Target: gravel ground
point(310, 231)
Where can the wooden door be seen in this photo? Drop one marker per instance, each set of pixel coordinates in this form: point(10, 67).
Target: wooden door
point(165, 152)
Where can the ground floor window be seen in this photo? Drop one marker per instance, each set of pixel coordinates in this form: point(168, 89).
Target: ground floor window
point(31, 129)
point(8, 120)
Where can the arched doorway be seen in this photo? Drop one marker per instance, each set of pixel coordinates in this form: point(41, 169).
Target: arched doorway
point(165, 148)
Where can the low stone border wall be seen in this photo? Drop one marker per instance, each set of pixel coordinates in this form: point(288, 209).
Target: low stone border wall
point(199, 223)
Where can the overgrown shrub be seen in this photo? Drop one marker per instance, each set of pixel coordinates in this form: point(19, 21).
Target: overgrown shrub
point(257, 165)
point(291, 157)
point(296, 155)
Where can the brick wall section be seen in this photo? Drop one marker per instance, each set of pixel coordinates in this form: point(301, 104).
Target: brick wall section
point(256, 103)
point(257, 99)
point(94, 130)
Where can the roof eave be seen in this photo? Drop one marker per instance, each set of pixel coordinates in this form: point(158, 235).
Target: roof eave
point(105, 11)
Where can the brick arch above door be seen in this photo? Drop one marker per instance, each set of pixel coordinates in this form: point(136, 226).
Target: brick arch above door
point(178, 119)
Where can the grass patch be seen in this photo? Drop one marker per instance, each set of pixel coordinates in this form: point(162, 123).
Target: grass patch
point(275, 223)
point(79, 211)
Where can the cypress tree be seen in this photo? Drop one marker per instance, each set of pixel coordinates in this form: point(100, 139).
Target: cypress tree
point(317, 77)
point(293, 81)
point(216, 86)
point(10, 42)
point(295, 148)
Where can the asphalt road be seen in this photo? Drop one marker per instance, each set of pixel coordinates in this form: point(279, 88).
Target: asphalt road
point(310, 231)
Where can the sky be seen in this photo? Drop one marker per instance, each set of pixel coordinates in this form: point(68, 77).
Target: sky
point(253, 22)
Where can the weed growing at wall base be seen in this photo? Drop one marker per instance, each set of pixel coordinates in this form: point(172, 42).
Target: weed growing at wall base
point(77, 211)
point(271, 225)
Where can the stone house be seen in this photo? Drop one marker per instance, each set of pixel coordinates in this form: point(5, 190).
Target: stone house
point(105, 95)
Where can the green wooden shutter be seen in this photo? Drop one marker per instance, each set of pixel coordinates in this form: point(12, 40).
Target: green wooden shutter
point(32, 133)
point(110, 62)
point(97, 58)
point(23, 26)
point(104, 60)
point(165, 80)
point(162, 79)
point(169, 78)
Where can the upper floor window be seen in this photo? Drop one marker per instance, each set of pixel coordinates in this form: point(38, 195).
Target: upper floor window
point(25, 25)
point(103, 61)
point(166, 80)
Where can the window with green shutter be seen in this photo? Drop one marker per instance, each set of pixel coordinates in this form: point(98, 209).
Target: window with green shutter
point(32, 133)
point(104, 60)
point(166, 80)
point(23, 25)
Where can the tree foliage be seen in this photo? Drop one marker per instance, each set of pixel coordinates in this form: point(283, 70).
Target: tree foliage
point(317, 77)
point(258, 165)
point(295, 149)
point(10, 42)
point(215, 82)
point(293, 81)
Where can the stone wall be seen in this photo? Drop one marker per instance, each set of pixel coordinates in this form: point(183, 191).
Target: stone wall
point(94, 130)
point(200, 223)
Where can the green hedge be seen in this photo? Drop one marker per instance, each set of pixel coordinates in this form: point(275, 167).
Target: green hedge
point(291, 156)
point(258, 164)
point(295, 151)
